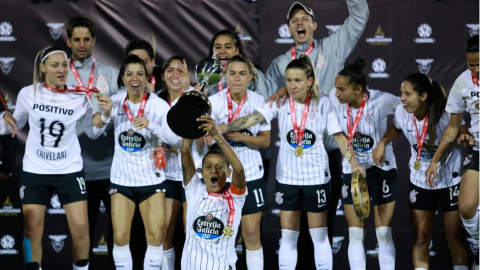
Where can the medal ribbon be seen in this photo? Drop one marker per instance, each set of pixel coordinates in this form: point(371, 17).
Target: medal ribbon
point(475, 79)
point(351, 130)
point(220, 86)
point(153, 80)
point(226, 195)
point(79, 81)
point(293, 51)
point(299, 131)
point(77, 89)
point(140, 112)
point(422, 136)
point(231, 115)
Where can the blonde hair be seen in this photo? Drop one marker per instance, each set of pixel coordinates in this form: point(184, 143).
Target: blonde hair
point(305, 63)
point(38, 75)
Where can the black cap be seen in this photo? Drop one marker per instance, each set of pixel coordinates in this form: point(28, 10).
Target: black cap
point(298, 5)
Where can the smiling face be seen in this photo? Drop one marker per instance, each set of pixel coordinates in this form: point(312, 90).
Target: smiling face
point(238, 77)
point(81, 43)
point(173, 75)
point(149, 62)
point(298, 84)
point(55, 68)
point(301, 26)
point(225, 46)
point(215, 171)
point(412, 101)
point(134, 78)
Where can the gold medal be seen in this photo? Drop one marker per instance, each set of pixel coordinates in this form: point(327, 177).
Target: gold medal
point(228, 231)
point(416, 165)
point(97, 96)
point(299, 151)
point(348, 155)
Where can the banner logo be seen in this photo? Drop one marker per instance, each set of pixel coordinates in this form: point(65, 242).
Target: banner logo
point(424, 31)
point(424, 65)
point(285, 36)
point(56, 206)
point(379, 66)
point(8, 242)
point(6, 64)
point(244, 38)
point(6, 30)
point(379, 38)
point(337, 244)
point(55, 30)
point(8, 209)
point(473, 29)
point(58, 241)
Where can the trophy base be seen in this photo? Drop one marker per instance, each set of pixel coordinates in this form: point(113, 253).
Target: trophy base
point(182, 117)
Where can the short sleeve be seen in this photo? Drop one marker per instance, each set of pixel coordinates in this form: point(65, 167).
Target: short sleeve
point(269, 113)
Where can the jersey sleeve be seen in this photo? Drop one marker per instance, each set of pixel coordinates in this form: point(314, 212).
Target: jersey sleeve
point(390, 102)
point(399, 115)
point(330, 117)
point(455, 102)
point(216, 103)
point(274, 77)
point(87, 124)
point(20, 114)
point(264, 126)
point(269, 113)
point(159, 126)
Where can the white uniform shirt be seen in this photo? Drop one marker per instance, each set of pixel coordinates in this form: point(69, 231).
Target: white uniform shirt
point(250, 157)
point(205, 245)
point(52, 145)
point(173, 170)
point(132, 165)
point(448, 167)
point(312, 167)
point(464, 97)
point(370, 130)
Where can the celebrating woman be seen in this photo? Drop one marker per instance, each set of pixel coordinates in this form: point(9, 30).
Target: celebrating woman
point(227, 106)
point(423, 119)
point(363, 116)
point(140, 125)
point(52, 160)
point(302, 168)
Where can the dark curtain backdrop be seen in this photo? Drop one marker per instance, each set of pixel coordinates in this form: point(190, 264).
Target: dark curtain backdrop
point(401, 37)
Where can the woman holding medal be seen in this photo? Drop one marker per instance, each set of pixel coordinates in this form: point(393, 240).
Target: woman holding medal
point(423, 120)
point(214, 211)
point(52, 160)
point(363, 117)
point(302, 168)
point(227, 106)
point(140, 125)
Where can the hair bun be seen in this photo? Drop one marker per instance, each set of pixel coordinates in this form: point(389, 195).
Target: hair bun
point(359, 62)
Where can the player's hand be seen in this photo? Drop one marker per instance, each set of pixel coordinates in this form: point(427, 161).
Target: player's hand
point(466, 139)
point(356, 167)
point(222, 128)
point(184, 75)
point(378, 154)
point(279, 97)
point(208, 125)
point(149, 88)
point(97, 120)
point(431, 174)
point(234, 136)
point(106, 104)
point(9, 120)
point(208, 140)
point(140, 122)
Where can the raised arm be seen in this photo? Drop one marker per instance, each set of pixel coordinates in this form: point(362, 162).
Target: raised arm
point(188, 165)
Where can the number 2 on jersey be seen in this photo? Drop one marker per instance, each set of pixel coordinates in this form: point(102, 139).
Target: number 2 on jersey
point(55, 125)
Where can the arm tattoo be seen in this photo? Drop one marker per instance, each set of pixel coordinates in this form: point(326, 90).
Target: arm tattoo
point(448, 138)
point(241, 123)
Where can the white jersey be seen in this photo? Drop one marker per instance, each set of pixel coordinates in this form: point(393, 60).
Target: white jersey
point(370, 130)
point(464, 97)
point(52, 145)
point(205, 245)
point(173, 170)
point(132, 165)
point(448, 168)
point(250, 157)
point(312, 167)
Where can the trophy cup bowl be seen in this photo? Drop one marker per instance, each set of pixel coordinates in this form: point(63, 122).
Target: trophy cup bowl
point(182, 117)
point(360, 195)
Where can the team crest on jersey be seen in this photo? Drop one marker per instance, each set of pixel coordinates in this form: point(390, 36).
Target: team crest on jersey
point(279, 197)
point(22, 192)
point(102, 84)
point(112, 191)
point(368, 119)
point(362, 143)
point(320, 61)
point(307, 142)
point(240, 144)
point(413, 196)
point(131, 141)
point(344, 191)
point(427, 151)
point(221, 203)
point(313, 115)
point(208, 227)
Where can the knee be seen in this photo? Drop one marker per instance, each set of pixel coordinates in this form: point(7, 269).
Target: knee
point(154, 236)
point(121, 238)
point(422, 238)
point(467, 209)
point(80, 229)
point(251, 234)
point(384, 234)
point(453, 236)
point(33, 226)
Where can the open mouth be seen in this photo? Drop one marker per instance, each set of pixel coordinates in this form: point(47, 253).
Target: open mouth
point(223, 61)
point(301, 33)
point(214, 181)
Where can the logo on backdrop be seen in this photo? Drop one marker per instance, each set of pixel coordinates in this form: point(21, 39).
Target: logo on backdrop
point(332, 29)
point(102, 208)
point(101, 248)
point(58, 241)
point(56, 206)
point(6, 64)
point(424, 65)
point(473, 245)
point(379, 66)
point(55, 30)
point(473, 29)
point(6, 30)
point(285, 36)
point(8, 242)
point(424, 31)
point(340, 211)
point(379, 38)
point(337, 243)
point(243, 37)
point(432, 251)
point(8, 209)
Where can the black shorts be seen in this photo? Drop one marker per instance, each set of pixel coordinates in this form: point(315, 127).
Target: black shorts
point(470, 162)
point(39, 188)
point(382, 186)
point(312, 199)
point(137, 194)
point(175, 190)
point(256, 200)
point(429, 199)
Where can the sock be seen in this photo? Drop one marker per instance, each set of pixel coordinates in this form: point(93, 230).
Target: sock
point(287, 255)
point(168, 262)
point(471, 225)
point(153, 258)
point(420, 268)
point(254, 259)
point(322, 248)
point(356, 251)
point(81, 265)
point(460, 267)
point(386, 248)
point(122, 257)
